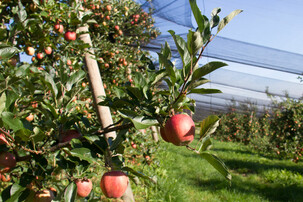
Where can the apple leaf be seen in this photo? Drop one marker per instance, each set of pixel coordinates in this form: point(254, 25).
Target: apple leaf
point(209, 125)
point(75, 77)
point(82, 153)
point(7, 52)
point(15, 192)
point(206, 144)
point(197, 14)
point(182, 49)
point(138, 174)
point(227, 19)
point(194, 42)
point(195, 83)
point(215, 18)
point(118, 139)
point(11, 121)
point(70, 192)
point(2, 102)
point(140, 122)
point(204, 91)
point(217, 163)
point(23, 134)
point(206, 69)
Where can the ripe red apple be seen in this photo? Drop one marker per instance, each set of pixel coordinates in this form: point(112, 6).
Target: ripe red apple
point(30, 118)
point(180, 129)
point(69, 62)
point(29, 50)
point(3, 139)
point(117, 27)
point(109, 7)
point(44, 196)
point(7, 161)
point(40, 56)
point(133, 145)
point(84, 187)
point(113, 184)
point(163, 135)
point(70, 36)
point(59, 28)
point(67, 136)
point(5, 177)
point(48, 50)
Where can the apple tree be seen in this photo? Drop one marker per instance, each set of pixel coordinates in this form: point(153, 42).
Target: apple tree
point(52, 142)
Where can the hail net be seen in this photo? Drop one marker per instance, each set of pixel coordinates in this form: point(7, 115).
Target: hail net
point(236, 83)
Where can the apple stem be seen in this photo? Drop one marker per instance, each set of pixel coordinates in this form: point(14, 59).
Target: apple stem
point(192, 149)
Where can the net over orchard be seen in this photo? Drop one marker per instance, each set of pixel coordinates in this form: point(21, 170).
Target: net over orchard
point(256, 66)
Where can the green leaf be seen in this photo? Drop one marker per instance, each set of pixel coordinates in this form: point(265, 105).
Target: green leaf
point(118, 139)
point(198, 15)
point(193, 84)
point(74, 78)
point(215, 18)
point(140, 122)
point(227, 19)
point(194, 42)
point(204, 91)
point(168, 67)
point(7, 52)
point(15, 192)
point(182, 48)
point(70, 192)
point(209, 125)
point(23, 134)
point(11, 121)
point(22, 15)
point(134, 92)
point(166, 51)
point(140, 175)
point(2, 102)
point(82, 153)
point(51, 84)
point(206, 69)
point(217, 163)
point(206, 144)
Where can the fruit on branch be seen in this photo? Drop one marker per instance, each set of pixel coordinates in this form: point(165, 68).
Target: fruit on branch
point(30, 118)
point(67, 136)
point(108, 7)
point(29, 50)
point(44, 196)
point(133, 145)
point(3, 139)
point(180, 129)
point(163, 135)
point(113, 184)
point(59, 28)
point(5, 177)
point(7, 161)
point(84, 187)
point(70, 36)
point(48, 50)
point(40, 56)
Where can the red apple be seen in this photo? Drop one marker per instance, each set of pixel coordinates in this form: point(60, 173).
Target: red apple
point(44, 196)
point(109, 7)
point(29, 50)
point(133, 145)
point(117, 27)
point(163, 135)
point(70, 36)
point(40, 56)
point(59, 28)
point(67, 136)
point(5, 177)
point(180, 129)
point(48, 50)
point(84, 187)
point(7, 161)
point(113, 184)
point(30, 118)
point(3, 139)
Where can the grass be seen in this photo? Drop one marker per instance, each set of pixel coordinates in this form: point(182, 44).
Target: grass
point(184, 176)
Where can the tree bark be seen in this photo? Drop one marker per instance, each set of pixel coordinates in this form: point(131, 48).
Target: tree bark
point(155, 133)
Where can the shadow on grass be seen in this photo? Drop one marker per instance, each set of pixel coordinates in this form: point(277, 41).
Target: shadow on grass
point(271, 192)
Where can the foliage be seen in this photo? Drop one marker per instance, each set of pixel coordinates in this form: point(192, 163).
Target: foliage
point(277, 130)
point(48, 100)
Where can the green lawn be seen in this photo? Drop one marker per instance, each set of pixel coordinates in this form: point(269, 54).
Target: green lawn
point(184, 176)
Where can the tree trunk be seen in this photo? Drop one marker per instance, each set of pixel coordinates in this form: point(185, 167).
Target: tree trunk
point(155, 133)
point(96, 85)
